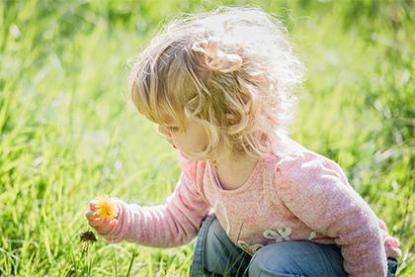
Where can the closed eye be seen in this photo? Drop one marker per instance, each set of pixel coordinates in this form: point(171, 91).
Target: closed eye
point(173, 128)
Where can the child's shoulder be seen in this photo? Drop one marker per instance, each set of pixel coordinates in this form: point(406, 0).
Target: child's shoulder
point(296, 162)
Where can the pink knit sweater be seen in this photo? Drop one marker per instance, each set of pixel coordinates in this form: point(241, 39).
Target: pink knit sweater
point(293, 194)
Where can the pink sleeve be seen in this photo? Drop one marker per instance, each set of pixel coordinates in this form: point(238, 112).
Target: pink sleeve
point(316, 191)
point(174, 223)
point(391, 244)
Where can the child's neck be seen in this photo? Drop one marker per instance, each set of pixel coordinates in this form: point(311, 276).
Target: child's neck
point(233, 171)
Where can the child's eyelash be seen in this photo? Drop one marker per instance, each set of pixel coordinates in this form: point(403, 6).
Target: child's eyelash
point(173, 128)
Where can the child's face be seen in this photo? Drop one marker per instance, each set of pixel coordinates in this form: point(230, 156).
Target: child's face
point(193, 139)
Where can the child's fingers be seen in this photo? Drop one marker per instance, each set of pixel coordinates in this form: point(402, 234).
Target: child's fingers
point(93, 205)
point(102, 226)
point(106, 226)
point(94, 222)
point(113, 222)
point(89, 214)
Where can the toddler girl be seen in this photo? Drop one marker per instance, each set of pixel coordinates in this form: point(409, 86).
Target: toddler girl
point(219, 86)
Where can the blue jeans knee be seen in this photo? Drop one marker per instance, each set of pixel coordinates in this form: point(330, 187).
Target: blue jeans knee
point(215, 254)
point(302, 258)
point(297, 258)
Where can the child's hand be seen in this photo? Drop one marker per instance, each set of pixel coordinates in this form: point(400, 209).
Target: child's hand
point(102, 214)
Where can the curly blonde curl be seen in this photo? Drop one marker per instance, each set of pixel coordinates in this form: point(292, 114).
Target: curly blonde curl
point(231, 69)
point(214, 57)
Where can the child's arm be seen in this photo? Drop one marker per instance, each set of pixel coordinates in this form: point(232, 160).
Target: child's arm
point(316, 191)
point(172, 224)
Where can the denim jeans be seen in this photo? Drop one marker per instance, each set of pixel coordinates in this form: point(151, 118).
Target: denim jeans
point(216, 255)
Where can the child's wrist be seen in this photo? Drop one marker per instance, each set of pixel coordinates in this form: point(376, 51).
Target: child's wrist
point(115, 233)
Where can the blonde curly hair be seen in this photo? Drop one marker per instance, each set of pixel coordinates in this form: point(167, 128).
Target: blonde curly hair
point(232, 70)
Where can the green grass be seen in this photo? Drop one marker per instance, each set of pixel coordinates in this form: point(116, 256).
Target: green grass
point(69, 131)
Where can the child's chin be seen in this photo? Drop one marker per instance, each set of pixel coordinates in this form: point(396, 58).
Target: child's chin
point(189, 157)
point(185, 155)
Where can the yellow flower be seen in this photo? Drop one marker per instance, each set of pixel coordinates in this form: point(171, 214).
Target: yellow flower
point(105, 208)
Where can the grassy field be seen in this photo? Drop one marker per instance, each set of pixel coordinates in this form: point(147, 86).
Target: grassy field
point(69, 132)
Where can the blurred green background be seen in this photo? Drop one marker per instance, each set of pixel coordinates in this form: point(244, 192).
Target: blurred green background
point(69, 131)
